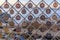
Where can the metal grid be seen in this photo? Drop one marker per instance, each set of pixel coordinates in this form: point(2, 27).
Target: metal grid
point(32, 21)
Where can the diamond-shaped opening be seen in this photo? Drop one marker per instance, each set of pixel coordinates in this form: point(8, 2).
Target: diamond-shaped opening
point(6, 6)
point(17, 6)
point(25, 24)
point(54, 5)
point(49, 24)
point(48, 12)
point(24, 12)
point(36, 24)
point(30, 5)
point(36, 36)
point(18, 18)
point(12, 12)
point(43, 28)
point(55, 28)
point(36, 12)
point(48, 35)
point(30, 17)
point(42, 17)
point(5, 17)
point(54, 17)
point(11, 24)
point(42, 5)
point(30, 29)
point(6, 29)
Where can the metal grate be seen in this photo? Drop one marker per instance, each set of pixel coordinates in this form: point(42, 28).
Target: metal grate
point(30, 20)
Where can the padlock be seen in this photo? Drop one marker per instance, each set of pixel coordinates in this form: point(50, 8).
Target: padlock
point(11, 23)
point(42, 17)
point(6, 5)
point(48, 36)
point(55, 4)
point(11, 11)
point(48, 11)
point(43, 28)
point(23, 11)
point(30, 17)
point(25, 24)
point(48, 23)
point(54, 17)
point(18, 17)
point(36, 11)
point(17, 5)
point(30, 28)
point(30, 5)
point(42, 5)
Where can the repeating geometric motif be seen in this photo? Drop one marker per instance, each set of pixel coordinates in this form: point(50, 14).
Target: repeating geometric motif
point(30, 20)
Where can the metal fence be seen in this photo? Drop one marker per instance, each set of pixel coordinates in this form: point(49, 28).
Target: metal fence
point(30, 20)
